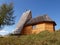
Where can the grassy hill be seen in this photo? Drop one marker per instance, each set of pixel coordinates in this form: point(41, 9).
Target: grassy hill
point(43, 38)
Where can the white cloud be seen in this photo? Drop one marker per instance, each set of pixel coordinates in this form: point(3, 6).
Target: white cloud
point(3, 32)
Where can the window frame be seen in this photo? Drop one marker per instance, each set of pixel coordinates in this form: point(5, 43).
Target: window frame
point(33, 26)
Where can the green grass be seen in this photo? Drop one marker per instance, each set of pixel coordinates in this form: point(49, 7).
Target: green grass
point(43, 38)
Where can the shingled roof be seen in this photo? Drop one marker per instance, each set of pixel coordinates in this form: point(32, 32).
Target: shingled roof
point(44, 18)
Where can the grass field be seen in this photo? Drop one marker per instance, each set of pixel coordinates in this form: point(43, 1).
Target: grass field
point(43, 38)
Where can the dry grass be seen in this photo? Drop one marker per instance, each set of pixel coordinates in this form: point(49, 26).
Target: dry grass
point(43, 38)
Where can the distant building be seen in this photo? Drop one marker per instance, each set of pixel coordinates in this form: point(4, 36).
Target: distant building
point(38, 24)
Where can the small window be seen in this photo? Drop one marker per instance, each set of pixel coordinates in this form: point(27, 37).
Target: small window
point(34, 26)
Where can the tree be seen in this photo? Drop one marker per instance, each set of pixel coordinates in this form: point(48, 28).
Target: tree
point(6, 15)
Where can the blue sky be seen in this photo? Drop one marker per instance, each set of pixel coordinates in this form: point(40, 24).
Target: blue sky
point(38, 7)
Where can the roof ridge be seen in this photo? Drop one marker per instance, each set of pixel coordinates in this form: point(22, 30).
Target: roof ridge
point(40, 16)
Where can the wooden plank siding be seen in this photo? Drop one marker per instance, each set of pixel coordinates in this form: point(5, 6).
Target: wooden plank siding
point(39, 27)
point(27, 30)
